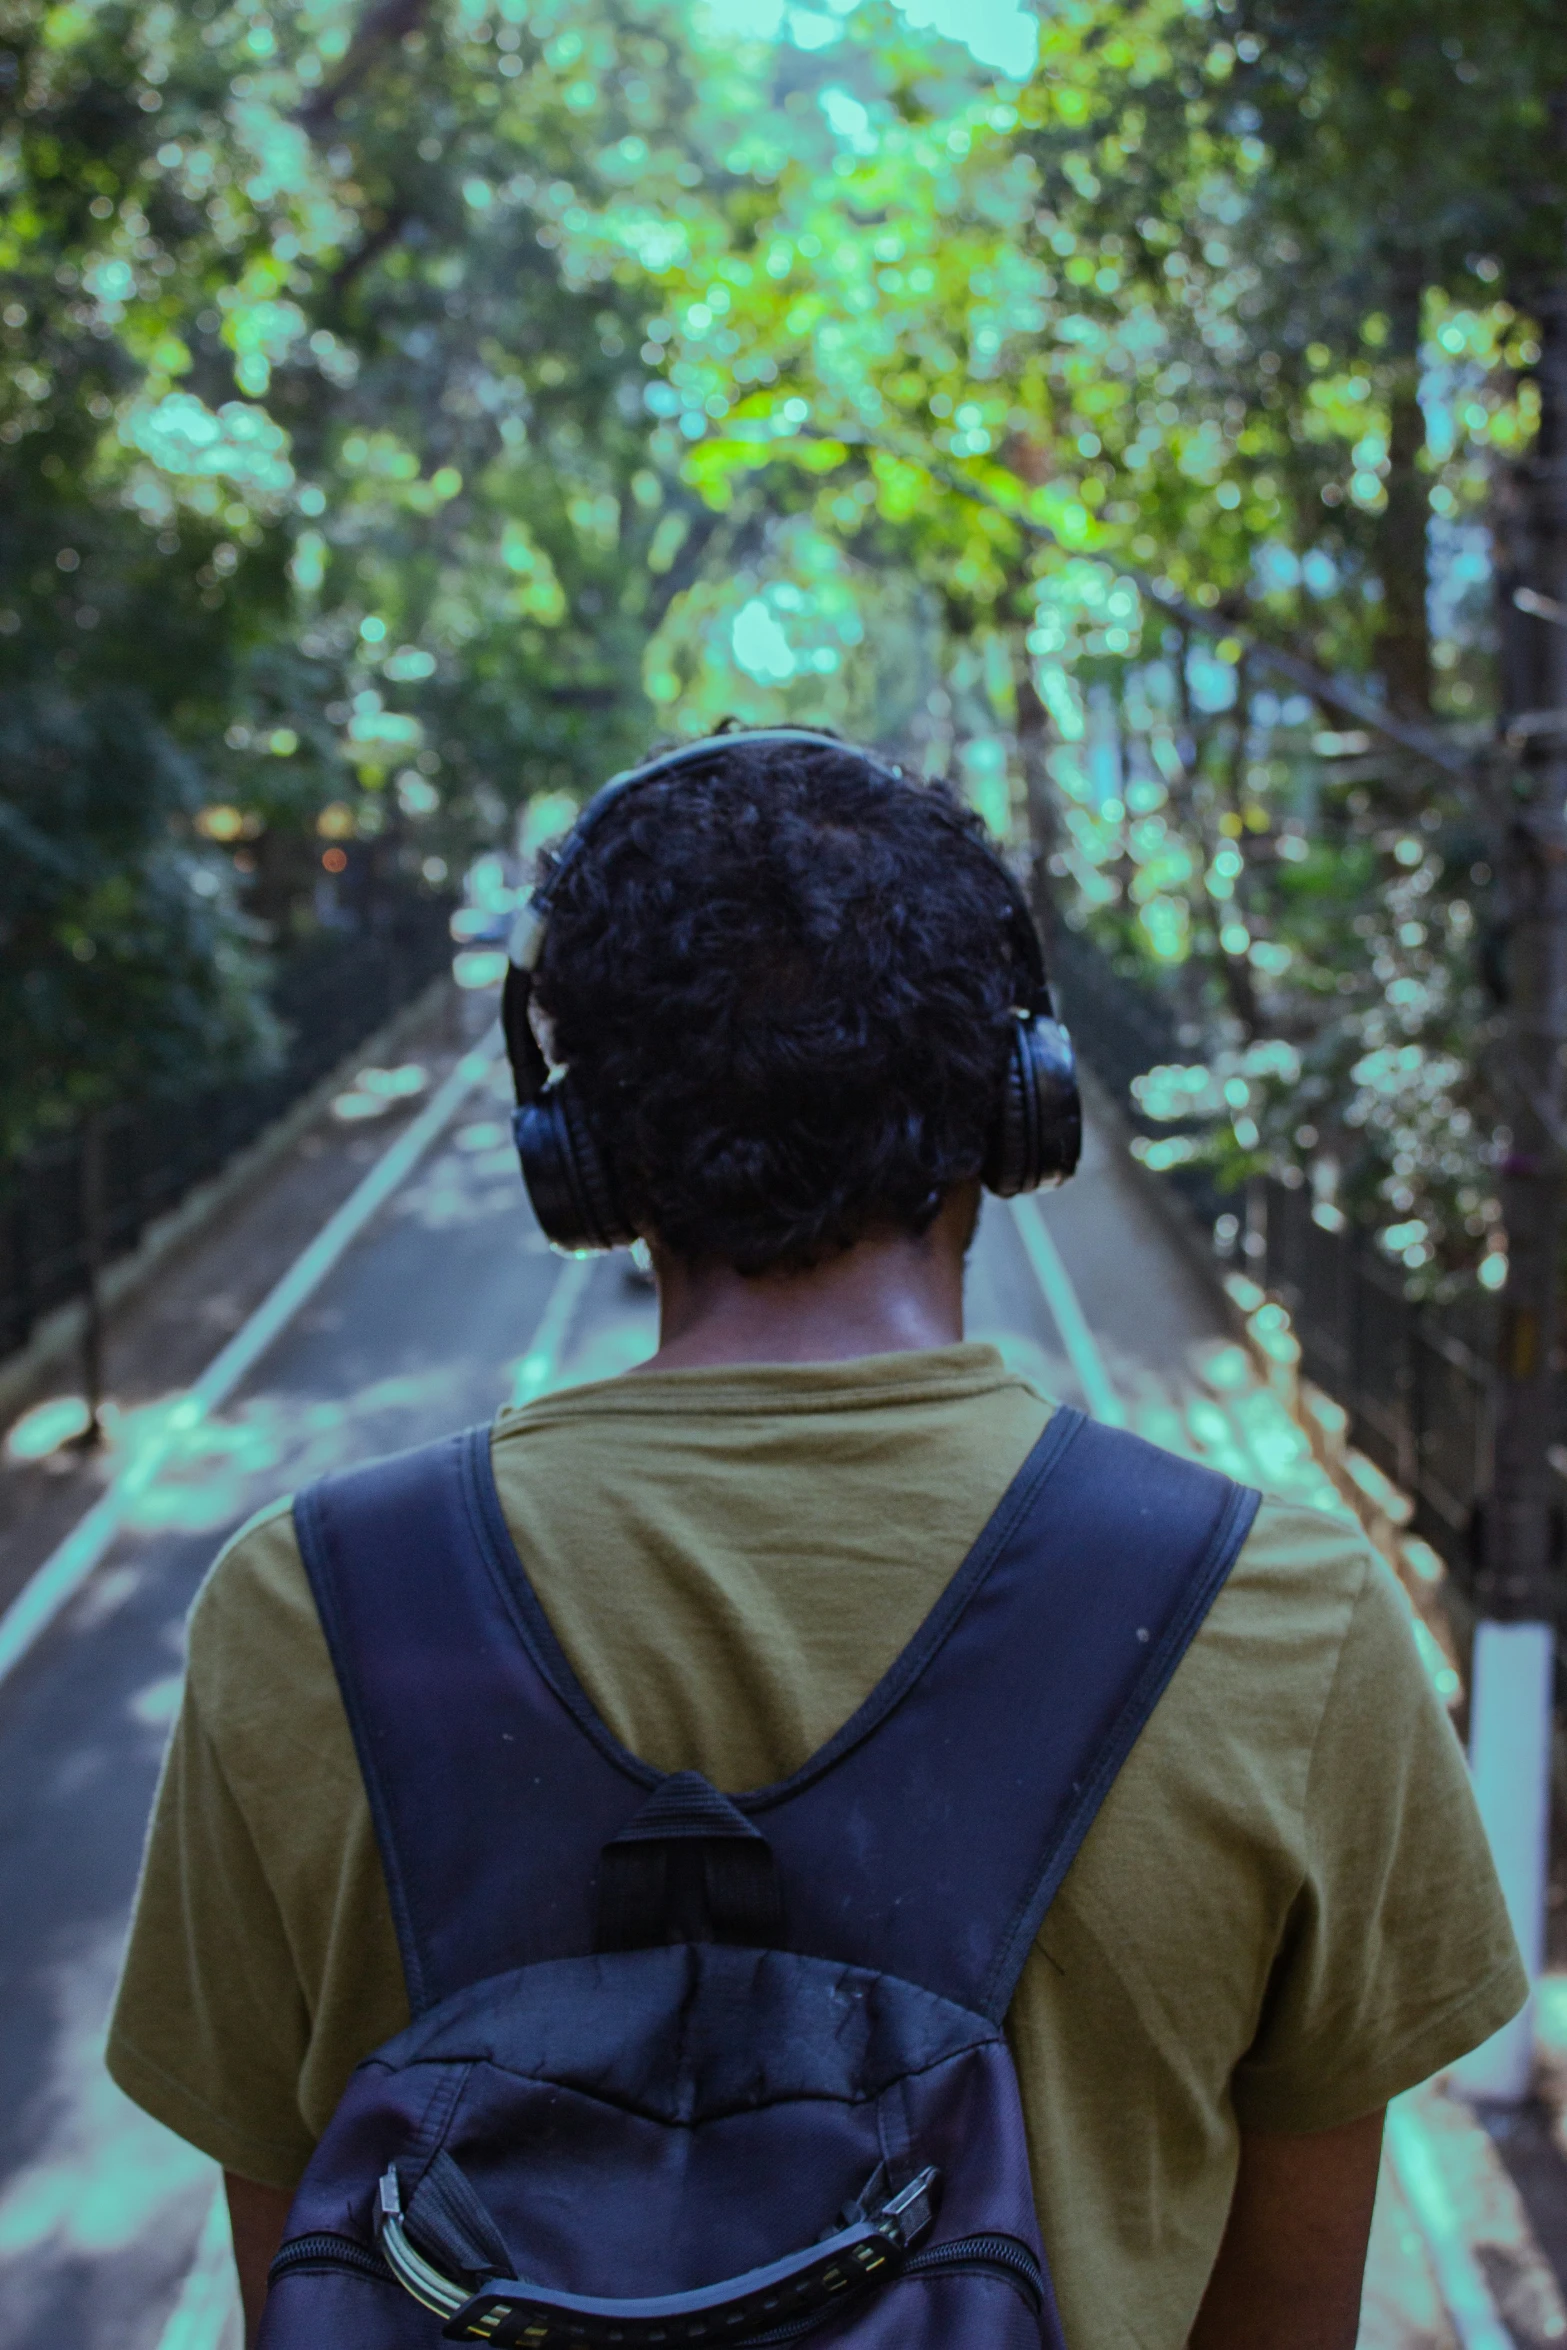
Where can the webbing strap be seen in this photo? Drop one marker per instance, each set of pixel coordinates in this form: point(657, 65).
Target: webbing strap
point(689, 1868)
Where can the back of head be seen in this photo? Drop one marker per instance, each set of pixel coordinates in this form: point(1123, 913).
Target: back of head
point(783, 986)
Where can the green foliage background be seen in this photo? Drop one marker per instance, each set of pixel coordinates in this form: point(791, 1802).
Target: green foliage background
point(409, 411)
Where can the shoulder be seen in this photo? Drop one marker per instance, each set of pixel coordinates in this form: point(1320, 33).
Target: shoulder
point(1299, 1576)
point(1247, 1701)
point(1300, 1560)
point(259, 1675)
point(1310, 1585)
point(1308, 1653)
point(256, 1586)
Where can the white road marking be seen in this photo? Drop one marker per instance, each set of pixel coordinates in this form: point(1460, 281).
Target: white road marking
point(68, 1567)
point(1082, 1350)
point(1459, 2277)
point(206, 2316)
point(538, 1368)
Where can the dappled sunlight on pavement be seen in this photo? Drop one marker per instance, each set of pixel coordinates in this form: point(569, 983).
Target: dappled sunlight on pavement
point(1402, 2308)
point(224, 1469)
point(100, 2224)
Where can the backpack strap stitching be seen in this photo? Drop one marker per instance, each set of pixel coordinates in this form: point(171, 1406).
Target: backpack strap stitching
point(1203, 1583)
point(521, 1601)
point(435, 2122)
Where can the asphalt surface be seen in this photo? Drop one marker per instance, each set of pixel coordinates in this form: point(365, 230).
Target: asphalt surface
point(448, 1306)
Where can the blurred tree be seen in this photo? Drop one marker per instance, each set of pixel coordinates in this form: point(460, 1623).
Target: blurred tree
point(325, 475)
point(124, 954)
point(1127, 366)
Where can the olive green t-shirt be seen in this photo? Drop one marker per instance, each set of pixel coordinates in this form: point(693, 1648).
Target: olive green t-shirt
point(1284, 1914)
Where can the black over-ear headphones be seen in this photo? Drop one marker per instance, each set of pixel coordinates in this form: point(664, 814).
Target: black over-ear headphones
point(1038, 1127)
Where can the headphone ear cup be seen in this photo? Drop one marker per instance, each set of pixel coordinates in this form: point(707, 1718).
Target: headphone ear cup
point(1037, 1138)
point(567, 1175)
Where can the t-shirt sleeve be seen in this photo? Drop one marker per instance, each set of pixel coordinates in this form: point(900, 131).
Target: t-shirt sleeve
point(210, 2023)
point(1397, 1956)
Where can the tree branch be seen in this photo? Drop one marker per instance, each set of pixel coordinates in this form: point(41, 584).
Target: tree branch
point(375, 244)
point(1331, 692)
point(383, 23)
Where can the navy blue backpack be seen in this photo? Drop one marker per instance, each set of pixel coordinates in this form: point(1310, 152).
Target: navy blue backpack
point(695, 2068)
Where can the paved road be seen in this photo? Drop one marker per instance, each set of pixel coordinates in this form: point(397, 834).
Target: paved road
point(450, 1304)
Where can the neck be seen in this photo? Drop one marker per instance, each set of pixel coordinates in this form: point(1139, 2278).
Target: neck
point(888, 1294)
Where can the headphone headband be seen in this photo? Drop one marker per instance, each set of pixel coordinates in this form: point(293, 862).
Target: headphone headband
point(686, 758)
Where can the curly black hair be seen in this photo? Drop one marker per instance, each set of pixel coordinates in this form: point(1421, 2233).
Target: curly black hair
point(783, 987)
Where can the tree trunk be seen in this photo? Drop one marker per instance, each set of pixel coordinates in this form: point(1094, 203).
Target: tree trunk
point(1517, 1579)
point(1239, 985)
point(92, 1219)
point(1513, 1674)
point(1404, 634)
point(1035, 734)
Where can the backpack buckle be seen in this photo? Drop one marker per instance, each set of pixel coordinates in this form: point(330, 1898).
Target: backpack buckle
point(906, 2215)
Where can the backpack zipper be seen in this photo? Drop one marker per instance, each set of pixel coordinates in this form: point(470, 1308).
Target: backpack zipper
point(984, 2255)
point(330, 2252)
point(972, 2256)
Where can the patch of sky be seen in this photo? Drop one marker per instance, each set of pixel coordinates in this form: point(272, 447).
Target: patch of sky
point(1319, 573)
point(985, 786)
point(849, 119)
point(1060, 697)
point(1276, 567)
point(545, 818)
point(1451, 377)
point(657, 244)
point(238, 443)
point(1459, 594)
point(1104, 748)
point(1212, 681)
point(761, 645)
point(998, 33)
point(1293, 710)
point(809, 29)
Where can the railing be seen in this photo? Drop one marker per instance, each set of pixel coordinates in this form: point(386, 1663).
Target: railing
point(88, 1195)
point(1415, 1379)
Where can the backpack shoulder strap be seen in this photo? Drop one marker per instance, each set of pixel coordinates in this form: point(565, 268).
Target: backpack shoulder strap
point(926, 1839)
point(930, 1837)
point(489, 1804)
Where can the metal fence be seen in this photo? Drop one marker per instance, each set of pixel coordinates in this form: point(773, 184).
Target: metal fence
point(1415, 1379)
point(86, 1197)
